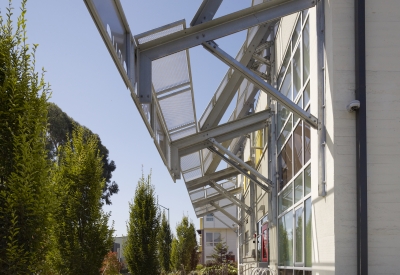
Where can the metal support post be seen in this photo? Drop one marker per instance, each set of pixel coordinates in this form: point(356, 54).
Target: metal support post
point(230, 197)
point(272, 197)
point(212, 47)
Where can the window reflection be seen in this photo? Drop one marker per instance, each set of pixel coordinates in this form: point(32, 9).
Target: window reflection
point(307, 180)
point(297, 83)
point(307, 143)
point(286, 163)
point(299, 234)
point(298, 188)
point(308, 232)
point(286, 199)
point(306, 52)
point(298, 148)
point(285, 225)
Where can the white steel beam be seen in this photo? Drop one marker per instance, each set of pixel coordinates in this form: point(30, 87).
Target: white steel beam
point(222, 26)
point(226, 213)
point(216, 176)
point(241, 162)
point(206, 12)
point(243, 171)
point(211, 210)
point(223, 132)
point(230, 197)
point(213, 48)
point(231, 227)
point(214, 198)
point(226, 93)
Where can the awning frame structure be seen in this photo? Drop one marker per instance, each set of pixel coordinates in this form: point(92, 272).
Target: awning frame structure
point(135, 60)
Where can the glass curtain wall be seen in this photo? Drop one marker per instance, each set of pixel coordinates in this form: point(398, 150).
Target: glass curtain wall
point(294, 156)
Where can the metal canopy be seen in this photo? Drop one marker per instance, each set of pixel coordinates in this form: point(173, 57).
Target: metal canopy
point(155, 66)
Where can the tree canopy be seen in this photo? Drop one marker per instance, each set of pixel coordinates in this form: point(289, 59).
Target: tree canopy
point(60, 128)
point(164, 241)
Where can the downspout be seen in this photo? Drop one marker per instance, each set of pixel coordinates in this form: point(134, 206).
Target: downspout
point(361, 139)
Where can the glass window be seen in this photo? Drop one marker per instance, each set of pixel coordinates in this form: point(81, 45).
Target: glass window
point(296, 32)
point(308, 232)
point(285, 64)
point(306, 95)
point(297, 83)
point(285, 271)
point(299, 234)
point(307, 180)
point(285, 238)
point(298, 188)
point(286, 87)
point(217, 238)
point(285, 200)
point(283, 114)
point(306, 51)
point(298, 148)
point(285, 133)
point(209, 239)
point(286, 155)
point(209, 218)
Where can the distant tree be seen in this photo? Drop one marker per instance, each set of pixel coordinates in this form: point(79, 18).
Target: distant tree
point(184, 246)
point(111, 265)
point(60, 128)
point(140, 249)
point(164, 241)
point(25, 196)
point(81, 234)
point(219, 253)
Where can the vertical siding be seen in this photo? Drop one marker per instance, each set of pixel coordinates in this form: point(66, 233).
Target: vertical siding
point(383, 134)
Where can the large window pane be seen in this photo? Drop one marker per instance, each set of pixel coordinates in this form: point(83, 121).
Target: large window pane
point(297, 83)
point(306, 51)
point(285, 199)
point(308, 233)
point(307, 143)
point(299, 234)
point(296, 32)
point(307, 180)
point(209, 239)
point(285, 133)
point(217, 238)
point(283, 114)
point(286, 163)
point(306, 95)
point(286, 87)
point(285, 240)
point(298, 148)
point(298, 188)
point(285, 271)
point(285, 64)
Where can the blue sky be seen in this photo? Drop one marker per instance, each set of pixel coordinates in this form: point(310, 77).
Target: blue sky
point(87, 86)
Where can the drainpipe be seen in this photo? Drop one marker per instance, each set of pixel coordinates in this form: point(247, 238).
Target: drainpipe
point(361, 139)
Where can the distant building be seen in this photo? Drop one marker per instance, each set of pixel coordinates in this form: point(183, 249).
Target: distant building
point(216, 228)
point(119, 243)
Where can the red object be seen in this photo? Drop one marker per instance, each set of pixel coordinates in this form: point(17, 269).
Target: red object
point(264, 243)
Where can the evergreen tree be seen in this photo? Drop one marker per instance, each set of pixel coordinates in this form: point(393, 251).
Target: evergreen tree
point(219, 253)
point(164, 240)
point(184, 246)
point(81, 233)
point(140, 250)
point(24, 183)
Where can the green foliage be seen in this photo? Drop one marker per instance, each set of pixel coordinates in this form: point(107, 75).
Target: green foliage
point(111, 265)
point(219, 253)
point(226, 269)
point(60, 129)
point(140, 250)
point(80, 232)
point(164, 241)
point(184, 246)
point(25, 198)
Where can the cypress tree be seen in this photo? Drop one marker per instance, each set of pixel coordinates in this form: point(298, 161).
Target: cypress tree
point(164, 244)
point(25, 200)
point(140, 250)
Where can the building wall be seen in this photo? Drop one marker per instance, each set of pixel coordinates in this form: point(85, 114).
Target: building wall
point(383, 134)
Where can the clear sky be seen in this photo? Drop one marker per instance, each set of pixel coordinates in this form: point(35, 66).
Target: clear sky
point(87, 86)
